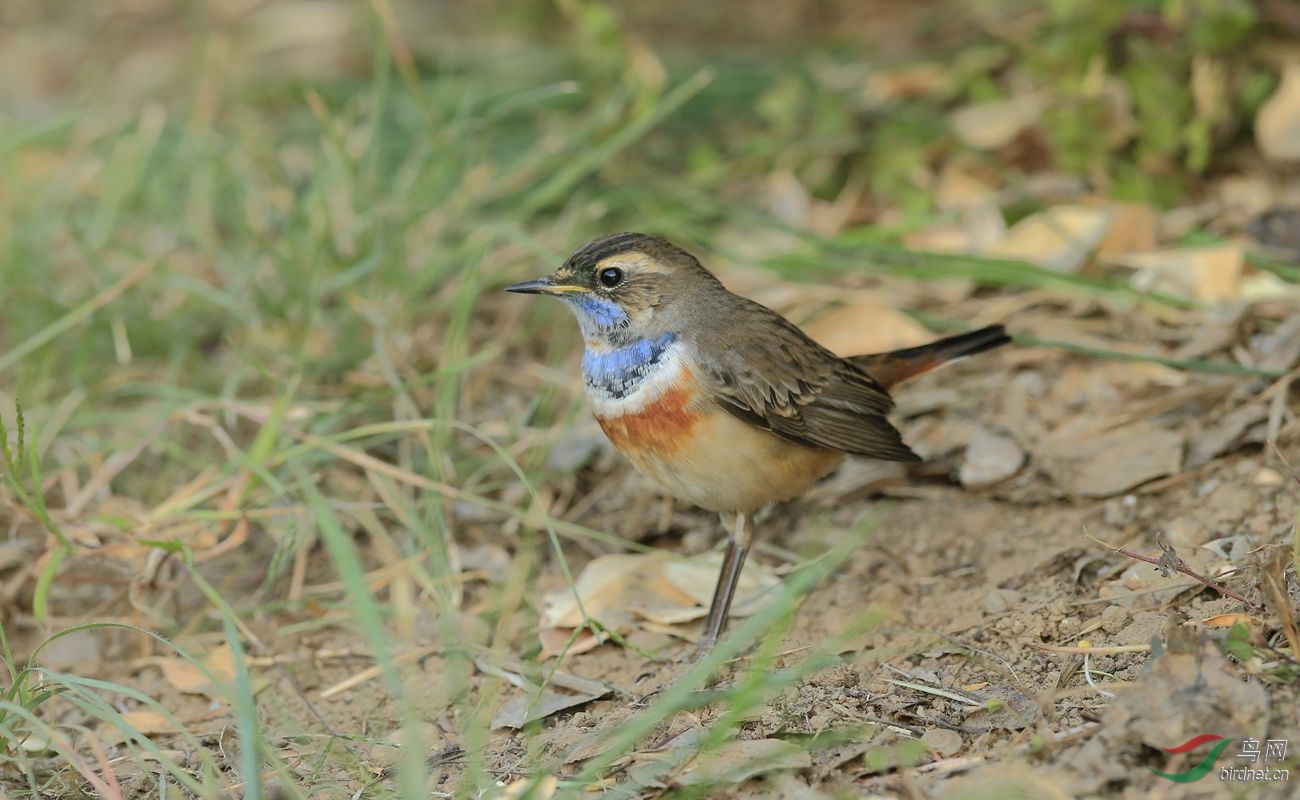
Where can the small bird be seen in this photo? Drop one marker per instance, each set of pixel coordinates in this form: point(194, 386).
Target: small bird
point(720, 400)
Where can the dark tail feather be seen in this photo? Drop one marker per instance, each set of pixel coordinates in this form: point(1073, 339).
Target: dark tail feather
point(891, 368)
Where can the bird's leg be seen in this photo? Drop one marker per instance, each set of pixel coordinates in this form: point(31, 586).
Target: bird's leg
point(742, 536)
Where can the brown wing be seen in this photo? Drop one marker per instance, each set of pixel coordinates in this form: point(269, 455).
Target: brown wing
point(784, 382)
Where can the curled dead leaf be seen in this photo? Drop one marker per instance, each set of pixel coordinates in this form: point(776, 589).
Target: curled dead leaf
point(1060, 239)
point(624, 591)
point(1277, 126)
point(866, 326)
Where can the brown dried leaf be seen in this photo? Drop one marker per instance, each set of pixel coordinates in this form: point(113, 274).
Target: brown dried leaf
point(184, 676)
point(741, 759)
point(1106, 464)
point(1228, 620)
point(1134, 229)
point(1223, 433)
point(1203, 273)
point(522, 709)
point(697, 578)
point(1277, 126)
point(149, 722)
point(623, 590)
point(989, 126)
point(866, 326)
point(1060, 239)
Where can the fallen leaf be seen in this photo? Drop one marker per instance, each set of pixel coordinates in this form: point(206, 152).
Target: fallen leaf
point(697, 578)
point(1060, 239)
point(741, 759)
point(1224, 432)
point(866, 326)
point(1203, 273)
point(958, 188)
point(35, 744)
point(1106, 464)
point(989, 126)
point(149, 722)
point(1277, 125)
point(520, 710)
point(184, 676)
point(1260, 286)
point(621, 591)
point(1133, 229)
point(1228, 620)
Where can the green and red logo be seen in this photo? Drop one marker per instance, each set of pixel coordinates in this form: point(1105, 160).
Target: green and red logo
point(1200, 770)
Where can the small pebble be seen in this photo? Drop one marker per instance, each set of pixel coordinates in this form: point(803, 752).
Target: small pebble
point(1268, 477)
point(942, 741)
point(1113, 619)
point(990, 459)
point(999, 600)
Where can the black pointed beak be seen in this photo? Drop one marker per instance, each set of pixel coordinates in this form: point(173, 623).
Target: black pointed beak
point(545, 285)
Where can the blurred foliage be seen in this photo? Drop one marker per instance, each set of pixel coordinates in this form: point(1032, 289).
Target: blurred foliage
point(1185, 71)
point(282, 193)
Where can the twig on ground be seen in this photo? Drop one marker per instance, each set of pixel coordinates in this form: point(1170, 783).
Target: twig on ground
point(1169, 562)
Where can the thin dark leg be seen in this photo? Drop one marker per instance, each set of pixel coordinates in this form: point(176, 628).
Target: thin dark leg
point(737, 548)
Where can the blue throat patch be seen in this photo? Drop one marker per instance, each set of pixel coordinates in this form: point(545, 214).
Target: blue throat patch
point(618, 373)
point(596, 315)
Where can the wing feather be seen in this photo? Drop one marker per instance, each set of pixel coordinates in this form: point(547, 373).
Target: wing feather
point(788, 384)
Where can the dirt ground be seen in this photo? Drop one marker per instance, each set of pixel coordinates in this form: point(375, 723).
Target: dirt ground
point(970, 587)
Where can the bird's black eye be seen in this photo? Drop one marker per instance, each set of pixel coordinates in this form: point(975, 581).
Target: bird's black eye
point(611, 277)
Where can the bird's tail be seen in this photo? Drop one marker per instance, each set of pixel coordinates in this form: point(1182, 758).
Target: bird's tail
point(892, 368)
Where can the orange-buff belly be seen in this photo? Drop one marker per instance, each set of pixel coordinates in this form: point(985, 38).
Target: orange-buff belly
point(704, 455)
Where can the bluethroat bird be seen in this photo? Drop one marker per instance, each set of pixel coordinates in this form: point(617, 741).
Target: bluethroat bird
point(722, 401)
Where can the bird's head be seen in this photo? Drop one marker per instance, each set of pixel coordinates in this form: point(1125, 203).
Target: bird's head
point(625, 286)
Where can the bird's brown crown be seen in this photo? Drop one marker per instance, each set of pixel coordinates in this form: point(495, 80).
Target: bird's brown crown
point(635, 270)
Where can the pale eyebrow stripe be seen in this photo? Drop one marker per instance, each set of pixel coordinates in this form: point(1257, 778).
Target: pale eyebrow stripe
point(634, 259)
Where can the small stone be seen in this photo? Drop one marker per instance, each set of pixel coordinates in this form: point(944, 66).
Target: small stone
point(1113, 619)
point(1267, 477)
point(990, 459)
point(999, 600)
point(1068, 626)
point(942, 741)
point(1188, 531)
